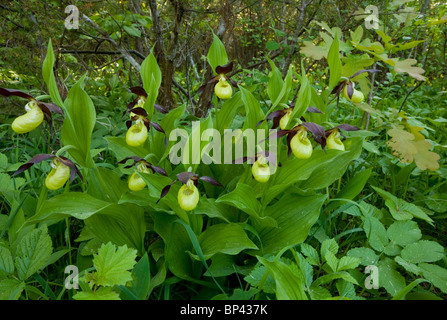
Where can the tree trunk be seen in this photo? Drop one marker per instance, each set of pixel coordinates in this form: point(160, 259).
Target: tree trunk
point(165, 97)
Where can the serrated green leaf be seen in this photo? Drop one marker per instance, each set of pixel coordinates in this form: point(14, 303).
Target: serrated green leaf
point(32, 252)
point(407, 265)
point(113, 264)
point(6, 261)
point(346, 263)
point(311, 254)
point(254, 279)
point(376, 233)
point(10, 289)
point(404, 232)
point(435, 274)
point(389, 277)
point(423, 251)
point(333, 276)
point(367, 256)
point(100, 294)
point(331, 260)
point(328, 245)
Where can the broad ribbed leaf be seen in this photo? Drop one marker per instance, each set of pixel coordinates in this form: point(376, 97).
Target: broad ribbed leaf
point(242, 198)
point(289, 285)
point(74, 204)
point(295, 215)
point(78, 124)
point(224, 238)
point(48, 76)
point(334, 63)
point(217, 56)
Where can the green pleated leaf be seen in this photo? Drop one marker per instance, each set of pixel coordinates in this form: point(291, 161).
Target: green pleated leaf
point(119, 224)
point(48, 76)
point(334, 63)
point(334, 169)
point(254, 113)
point(295, 215)
point(289, 285)
point(75, 204)
point(78, 124)
point(224, 238)
point(242, 198)
point(217, 56)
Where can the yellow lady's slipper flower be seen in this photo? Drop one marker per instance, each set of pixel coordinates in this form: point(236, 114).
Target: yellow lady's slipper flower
point(357, 95)
point(136, 183)
point(30, 120)
point(260, 169)
point(137, 134)
point(301, 145)
point(333, 141)
point(223, 89)
point(58, 176)
point(285, 118)
point(188, 196)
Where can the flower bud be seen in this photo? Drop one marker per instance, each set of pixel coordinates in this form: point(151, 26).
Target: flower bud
point(334, 142)
point(58, 176)
point(223, 89)
point(260, 169)
point(137, 134)
point(285, 119)
point(188, 196)
point(30, 120)
point(301, 145)
point(357, 95)
point(136, 183)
